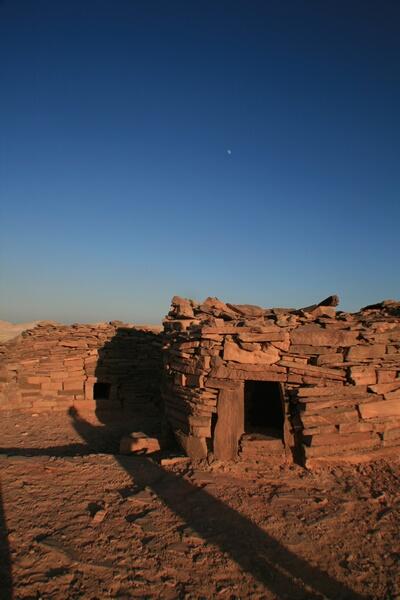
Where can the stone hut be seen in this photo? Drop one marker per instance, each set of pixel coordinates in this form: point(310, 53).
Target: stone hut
point(283, 384)
point(113, 367)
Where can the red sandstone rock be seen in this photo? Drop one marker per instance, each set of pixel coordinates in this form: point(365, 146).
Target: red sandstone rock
point(386, 408)
point(234, 353)
point(138, 443)
point(367, 351)
point(247, 310)
point(315, 335)
point(182, 308)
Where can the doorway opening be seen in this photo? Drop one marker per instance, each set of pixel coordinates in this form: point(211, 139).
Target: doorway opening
point(263, 409)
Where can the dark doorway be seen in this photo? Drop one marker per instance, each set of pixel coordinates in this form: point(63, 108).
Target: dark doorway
point(101, 391)
point(263, 408)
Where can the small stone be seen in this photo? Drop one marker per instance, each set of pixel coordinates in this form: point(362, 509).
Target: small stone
point(138, 443)
point(99, 516)
point(178, 547)
point(191, 536)
point(143, 497)
point(175, 460)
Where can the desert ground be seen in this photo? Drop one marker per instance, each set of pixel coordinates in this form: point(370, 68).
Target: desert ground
point(81, 521)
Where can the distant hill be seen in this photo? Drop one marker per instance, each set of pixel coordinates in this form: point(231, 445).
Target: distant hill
point(8, 331)
point(11, 330)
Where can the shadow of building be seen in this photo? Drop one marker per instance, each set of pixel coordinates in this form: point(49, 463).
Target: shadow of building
point(255, 551)
point(126, 386)
point(6, 587)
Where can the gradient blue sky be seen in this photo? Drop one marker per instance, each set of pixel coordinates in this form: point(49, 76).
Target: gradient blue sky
point(117, 190)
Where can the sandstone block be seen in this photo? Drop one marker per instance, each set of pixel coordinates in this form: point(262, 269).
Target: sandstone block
point(73, 362)
point(394, 395)
point(331, 402)
point(249, 346)
point(273, 336)
point(247, 310)
point(313, 335)
point(220, 383)
point(182, 308)
point(386, 375)
point(180, 379)
point(309, 392)
point(88, 387)
point(233, 329)
point(338, 449)
point(331, 358)
point(320, 429)
point(36, 379)
point(195, 380)
point(293, 378)
point(74, 343)
point(200, 431)
point(83, 405)
point(175, 460)
point(51, 386)
point(330, 418)
point(327, 439)
point(367, 351)
point(385, 408)
point(311, 370)
point(29, 386)
point(363, 375)
point(255, 372)
point(234, 353)
point(385, 424)
point(57, 375)
point(73, 384)
point(394, 443)
point(283, 346)
point(384, 388)
point(138, 443)
point(194, 447)
point(355, 427)
point(306, 350)
point(392, 434)
point(328, 311)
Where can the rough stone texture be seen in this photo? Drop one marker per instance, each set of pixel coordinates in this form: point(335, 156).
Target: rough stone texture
point(55, 367)
point(339, 372)
point(139, 443)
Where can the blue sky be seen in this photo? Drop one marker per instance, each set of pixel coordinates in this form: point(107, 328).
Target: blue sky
point(116, 187)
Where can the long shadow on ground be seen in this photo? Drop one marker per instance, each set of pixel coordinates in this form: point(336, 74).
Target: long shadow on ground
point(6, 588)
point(257, 553)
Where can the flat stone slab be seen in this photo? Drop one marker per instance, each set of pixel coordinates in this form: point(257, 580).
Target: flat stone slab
point(138, 443)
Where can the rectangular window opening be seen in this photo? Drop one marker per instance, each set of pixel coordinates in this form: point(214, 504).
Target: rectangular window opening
point(101, 391)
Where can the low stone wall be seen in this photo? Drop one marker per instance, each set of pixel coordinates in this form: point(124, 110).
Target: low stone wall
point(54, 367)
point(339, 372)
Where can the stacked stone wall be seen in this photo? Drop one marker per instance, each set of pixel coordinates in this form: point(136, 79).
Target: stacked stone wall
point(55, 367)
point(340, 373)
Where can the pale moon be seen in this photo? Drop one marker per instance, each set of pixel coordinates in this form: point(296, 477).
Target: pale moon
point(229, 151)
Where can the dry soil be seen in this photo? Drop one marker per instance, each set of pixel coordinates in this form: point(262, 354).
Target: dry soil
point(80, 521)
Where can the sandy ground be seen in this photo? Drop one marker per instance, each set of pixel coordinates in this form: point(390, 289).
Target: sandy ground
point(79, 522)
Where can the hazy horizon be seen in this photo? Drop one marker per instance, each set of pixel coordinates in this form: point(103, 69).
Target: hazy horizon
point(248, 151)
